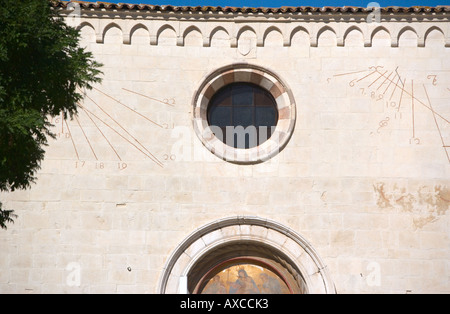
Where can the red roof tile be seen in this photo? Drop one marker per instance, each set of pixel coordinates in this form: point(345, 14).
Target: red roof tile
point(301, 9)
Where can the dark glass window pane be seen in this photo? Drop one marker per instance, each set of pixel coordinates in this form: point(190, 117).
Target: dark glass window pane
point(266, 116)
point(262, 98)
point(223, 98)
point(220, 116)
point(243, 116)
point(242, 95)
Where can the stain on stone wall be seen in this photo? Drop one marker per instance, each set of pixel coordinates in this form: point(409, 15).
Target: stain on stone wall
point(426, 203)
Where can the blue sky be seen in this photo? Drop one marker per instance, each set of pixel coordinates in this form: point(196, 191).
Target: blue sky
point(280, 3)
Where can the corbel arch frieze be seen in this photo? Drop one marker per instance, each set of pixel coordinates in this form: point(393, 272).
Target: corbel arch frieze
point(185, 29)
point(162, 28)
point(135, 28)
point(293, 30)
point(213, 31)
point(352, 28)
point(272, 28)
point(262, 29)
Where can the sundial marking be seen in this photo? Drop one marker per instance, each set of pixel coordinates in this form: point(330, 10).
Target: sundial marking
point(395, 81)
point(116, 127)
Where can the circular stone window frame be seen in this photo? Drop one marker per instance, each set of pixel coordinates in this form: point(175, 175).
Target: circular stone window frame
point(244, 229)
point(245, 73)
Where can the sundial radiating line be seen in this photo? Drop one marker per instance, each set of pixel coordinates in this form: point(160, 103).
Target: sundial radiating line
point(71, 138)
point(385, 80)
point(129, 108)
point(163, 102)
point(412, 109)
point(373, 72)
point(151, 156)
point(356, 72)
point(87, 139)
point(125, 130)
point(395, 88)
point(109, 143)
point(401, 95)
point(437, 124)
point(390, 82)
point(396, 84)
point(381, 75)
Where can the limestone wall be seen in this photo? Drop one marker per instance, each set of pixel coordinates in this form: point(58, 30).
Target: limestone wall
point(364, 178)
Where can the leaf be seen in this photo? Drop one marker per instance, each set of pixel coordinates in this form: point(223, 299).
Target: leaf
point(6, 216)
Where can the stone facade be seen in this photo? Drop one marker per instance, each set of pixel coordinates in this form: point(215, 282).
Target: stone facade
point(355, 199)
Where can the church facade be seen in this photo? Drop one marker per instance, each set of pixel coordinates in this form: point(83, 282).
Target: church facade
point(245, 150)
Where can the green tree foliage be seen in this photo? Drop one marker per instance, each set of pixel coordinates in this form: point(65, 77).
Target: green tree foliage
point(42, 69)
